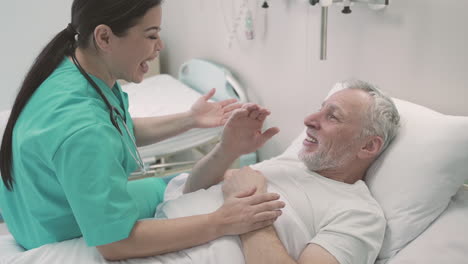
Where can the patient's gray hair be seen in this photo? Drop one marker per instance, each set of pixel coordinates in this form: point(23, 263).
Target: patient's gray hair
point(382, 118)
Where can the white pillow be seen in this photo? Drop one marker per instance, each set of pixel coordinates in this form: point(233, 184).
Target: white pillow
point(415, 178)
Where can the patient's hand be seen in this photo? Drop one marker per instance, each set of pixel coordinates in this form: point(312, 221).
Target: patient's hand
point(242, 133)
point(245, 179)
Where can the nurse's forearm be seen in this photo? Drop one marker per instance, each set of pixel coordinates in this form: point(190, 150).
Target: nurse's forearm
point(154, 236)
point(149, 130)
point(210, 169)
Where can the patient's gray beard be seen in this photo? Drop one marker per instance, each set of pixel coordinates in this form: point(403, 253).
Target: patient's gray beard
point(319, 160)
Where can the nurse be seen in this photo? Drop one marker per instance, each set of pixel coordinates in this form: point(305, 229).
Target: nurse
point(70, 144)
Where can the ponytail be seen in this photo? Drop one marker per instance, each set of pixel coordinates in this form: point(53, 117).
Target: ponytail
point(62, 45)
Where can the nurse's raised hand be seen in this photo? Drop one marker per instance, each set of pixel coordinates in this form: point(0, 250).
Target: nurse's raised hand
point(207, 114)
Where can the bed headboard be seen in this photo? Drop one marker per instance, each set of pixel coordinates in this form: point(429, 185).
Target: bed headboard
point(202, 75)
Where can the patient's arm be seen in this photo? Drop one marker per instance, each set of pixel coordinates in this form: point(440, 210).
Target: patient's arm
point(202, 114)
point(264, 246)
point(242, 134)
point(243, 179)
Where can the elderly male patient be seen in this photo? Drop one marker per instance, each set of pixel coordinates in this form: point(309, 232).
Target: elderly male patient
point(330, 215)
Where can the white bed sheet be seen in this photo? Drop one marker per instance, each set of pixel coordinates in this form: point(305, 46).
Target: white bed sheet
point(445, 241)
point(163, 95)
point(73, 251)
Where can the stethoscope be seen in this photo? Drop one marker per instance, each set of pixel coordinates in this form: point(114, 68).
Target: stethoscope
point(114, 116)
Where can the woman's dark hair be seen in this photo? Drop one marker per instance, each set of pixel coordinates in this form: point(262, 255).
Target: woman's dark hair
point(119, 15)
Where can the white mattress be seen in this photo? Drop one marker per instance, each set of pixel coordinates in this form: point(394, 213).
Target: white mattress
point(162, 95)
point(445, 241)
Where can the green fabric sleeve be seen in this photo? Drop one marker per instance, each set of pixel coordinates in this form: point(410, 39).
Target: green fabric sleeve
point(147, 194)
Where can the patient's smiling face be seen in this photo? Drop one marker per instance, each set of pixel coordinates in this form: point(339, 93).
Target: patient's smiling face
point(333, 133)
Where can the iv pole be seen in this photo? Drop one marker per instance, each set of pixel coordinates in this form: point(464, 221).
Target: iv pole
point(346, 10)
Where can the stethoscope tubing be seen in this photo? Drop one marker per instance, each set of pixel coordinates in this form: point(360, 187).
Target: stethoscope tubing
point(113, 112)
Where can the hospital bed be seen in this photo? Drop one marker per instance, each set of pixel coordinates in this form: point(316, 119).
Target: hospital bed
point(418, 181)
point(163, 94)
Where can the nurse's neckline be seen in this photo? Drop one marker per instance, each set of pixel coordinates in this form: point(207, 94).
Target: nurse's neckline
point(70, 60)
point(93, 65)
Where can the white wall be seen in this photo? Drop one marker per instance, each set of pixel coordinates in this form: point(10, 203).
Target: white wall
point(27, 26)
point(415, 50)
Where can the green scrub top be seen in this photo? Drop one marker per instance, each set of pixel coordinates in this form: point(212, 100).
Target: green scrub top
point(71, 166)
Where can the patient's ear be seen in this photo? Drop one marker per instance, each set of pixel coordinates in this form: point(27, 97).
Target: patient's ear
point(372, 148)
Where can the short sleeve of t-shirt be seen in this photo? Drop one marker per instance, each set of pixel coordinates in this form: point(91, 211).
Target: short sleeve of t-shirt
point(89, 168)
point(352, 236)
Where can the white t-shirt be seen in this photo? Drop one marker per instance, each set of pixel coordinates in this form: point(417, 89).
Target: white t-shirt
point(342, 218)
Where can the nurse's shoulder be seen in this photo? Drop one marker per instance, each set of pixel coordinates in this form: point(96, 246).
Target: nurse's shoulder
point(62, 105)
point(68, 96)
